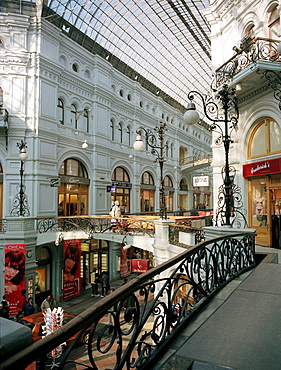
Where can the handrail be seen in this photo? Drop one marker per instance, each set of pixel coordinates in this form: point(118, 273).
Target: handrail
point(167, 297)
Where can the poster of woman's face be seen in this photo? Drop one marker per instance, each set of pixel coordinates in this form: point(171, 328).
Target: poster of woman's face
point(14, 273)
point(71, 269)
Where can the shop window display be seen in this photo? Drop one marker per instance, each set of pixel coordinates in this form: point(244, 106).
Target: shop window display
point(259, 213)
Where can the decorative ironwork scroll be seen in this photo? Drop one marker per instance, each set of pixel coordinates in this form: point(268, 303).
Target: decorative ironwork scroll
point(237, 211)
point(257, 49)
point(20, 203)
point(274, 80)
point(91, 225)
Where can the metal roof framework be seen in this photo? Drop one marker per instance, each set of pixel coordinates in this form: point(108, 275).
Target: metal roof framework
point(165, 42)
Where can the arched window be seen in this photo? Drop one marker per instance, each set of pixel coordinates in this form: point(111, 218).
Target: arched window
point(168, 182)
point(129, 135)
point(265, 139)
point(112, 129)
point(147, 194)
point(73, 118)
point(183, 185)
point(172, 150)
point(167, 149)
point(273, 23)
point(147, 179)
point(169, 193)
point(73, 191)
point(120, 174)
point(183, 156)
point(60, 111)
point(121, 181)
point(86, 125)
point(120, 129)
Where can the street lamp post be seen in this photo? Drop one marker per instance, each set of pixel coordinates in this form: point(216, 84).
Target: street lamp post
point(20, 201)
point(156, 143)
point(222, 110)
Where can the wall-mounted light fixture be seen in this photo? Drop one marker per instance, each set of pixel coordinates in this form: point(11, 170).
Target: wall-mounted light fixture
point(85, 144)
point(59, 239)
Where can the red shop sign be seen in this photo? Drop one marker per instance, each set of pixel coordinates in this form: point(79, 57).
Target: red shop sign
point(262, 168)
point(139, 265)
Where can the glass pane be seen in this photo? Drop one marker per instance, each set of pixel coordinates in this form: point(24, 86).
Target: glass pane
point(72, 167)
point(259, 217)
point(61, 171)
point(83, 204)
point(275, 136)
point(259, 142)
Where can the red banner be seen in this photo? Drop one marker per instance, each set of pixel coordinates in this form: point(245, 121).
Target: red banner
point(71, 271)
point(14, 274)
point(262, 168)
point(140, 265)
point(125, 263)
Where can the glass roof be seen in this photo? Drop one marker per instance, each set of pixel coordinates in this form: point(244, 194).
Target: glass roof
point(166, 42)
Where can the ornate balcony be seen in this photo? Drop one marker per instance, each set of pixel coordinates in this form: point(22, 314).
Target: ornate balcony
point(252, 57)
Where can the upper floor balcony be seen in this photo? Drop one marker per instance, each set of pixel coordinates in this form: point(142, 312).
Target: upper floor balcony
point(195, 162)
point(257, 60)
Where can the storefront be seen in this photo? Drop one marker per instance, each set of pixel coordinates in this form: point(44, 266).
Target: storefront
point(147, 193)
point(264, 185)
point(120, 188)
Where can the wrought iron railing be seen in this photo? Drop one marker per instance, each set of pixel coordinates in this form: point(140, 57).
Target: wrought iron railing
point(98, 224)
point(137, 322)
point(175, 232)
point(251, 51)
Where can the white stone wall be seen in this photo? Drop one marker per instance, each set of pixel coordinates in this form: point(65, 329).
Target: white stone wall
point(36, 70)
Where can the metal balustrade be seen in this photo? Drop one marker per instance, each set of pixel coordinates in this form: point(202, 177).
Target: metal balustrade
point(137, 322)
point(256, 49)
point(98, 224)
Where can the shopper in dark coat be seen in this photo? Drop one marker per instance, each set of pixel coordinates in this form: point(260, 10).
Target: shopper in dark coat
point(29, 308)
point(105, 287)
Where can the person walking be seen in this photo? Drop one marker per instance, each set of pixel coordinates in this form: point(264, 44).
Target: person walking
point(94, 282)
point(49, 302)
point(29, 309)
point(21, 304)
point(105, 287)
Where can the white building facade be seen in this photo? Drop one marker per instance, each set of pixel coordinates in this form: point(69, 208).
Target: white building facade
point(56, 96)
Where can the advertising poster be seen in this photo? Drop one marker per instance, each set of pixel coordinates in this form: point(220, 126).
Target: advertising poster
point(14, 274)
point(71, 269)
point(40, 281)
